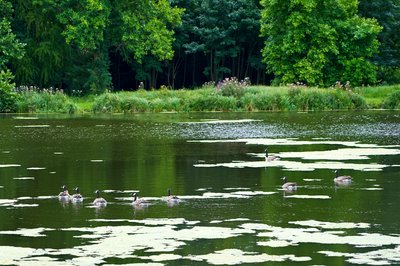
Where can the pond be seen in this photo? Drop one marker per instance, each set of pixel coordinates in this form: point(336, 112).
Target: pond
point(231, 210)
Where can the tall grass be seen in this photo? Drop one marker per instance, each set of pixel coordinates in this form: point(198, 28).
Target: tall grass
point(33, 100)
point(209, 99)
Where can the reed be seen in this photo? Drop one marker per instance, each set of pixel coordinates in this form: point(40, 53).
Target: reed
point(34, 100)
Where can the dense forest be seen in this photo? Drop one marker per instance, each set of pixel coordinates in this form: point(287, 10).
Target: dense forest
point(89, 46)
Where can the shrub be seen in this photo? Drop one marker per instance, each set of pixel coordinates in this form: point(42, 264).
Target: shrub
point(392, 101)
point(232, 87)
point(8, 98)
point(134, 104)
point(107, 103)
point(211, 102)
point(33, 99)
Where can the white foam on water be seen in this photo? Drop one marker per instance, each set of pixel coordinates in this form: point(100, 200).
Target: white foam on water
point(24, 205)
point(162, 257)
point(26, 117)
point(294, 141)
point(236, 188)
point(46, 197)
point(58, 152)
point(298, 166)
point(314, 235)
point(165, 236)
point(7, 202)
point(96, 161)
point(5, 152)
point(31, 232)
point(308, 196)
point(237, 256)
point(330, 225)
point(384, 256)
point(216, 121)
point(9, 165)
point(36, 168)
point(33, 126)
point(371, 188)
point(339, 154)
point(275, 243)
point(24, 178)
point(24, 198)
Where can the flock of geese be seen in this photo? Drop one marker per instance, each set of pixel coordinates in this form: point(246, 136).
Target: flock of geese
point(292, 186)
point(140, 202)
point(101, 202)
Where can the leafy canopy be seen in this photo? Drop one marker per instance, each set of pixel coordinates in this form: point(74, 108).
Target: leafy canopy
point(318, 42)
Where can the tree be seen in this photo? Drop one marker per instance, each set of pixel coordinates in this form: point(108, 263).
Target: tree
point(76, 38)
point(225, 32)
point(10, 48)
point(387, 13)
point(318, 42)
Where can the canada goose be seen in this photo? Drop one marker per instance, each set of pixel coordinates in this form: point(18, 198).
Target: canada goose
point(270, 158)
point(64, 195)
point(344, 179)
point(77, 197)
point(138, 202)
point(171, 198)
point(99, 201)
point(288, 185)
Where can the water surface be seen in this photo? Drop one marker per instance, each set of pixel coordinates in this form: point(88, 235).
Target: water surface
point(232, 209)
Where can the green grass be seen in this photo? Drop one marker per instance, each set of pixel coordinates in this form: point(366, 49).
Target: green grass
point(375, 96)
point(253, 98)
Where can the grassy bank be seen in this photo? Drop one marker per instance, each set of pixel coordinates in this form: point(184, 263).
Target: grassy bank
point(244, 98)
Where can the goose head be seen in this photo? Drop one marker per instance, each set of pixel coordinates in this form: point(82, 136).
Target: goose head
point(134, 195)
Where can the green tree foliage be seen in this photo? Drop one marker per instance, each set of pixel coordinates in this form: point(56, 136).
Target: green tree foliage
point(387, 13)
point(225, 31)
point(318, 42)
point(10, 48)
point(69, 41)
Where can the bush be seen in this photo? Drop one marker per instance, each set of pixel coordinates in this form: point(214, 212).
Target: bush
point(107, 103)
point(211, 102)
point(232, 87)
point(8, 98)
point(33, 99)
point(134, 104)
point(392, 101)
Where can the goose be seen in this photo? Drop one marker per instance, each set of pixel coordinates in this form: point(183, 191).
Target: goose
point(291, 186)
point(77, 197)
point(64, 195)
point(171, 198)
point(270, 158)
point(343, 179)
point(138, 202)
point(99, 201)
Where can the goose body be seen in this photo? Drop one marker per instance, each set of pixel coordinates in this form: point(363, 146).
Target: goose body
point(344, 179)
point(139, 202)
point(269, 158)
point(99, 201)
point(291, 186)
point(64, 195)
point(171, 198)
point(77, 197)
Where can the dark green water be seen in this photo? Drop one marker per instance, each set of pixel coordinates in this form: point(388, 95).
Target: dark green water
point(232, 208)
